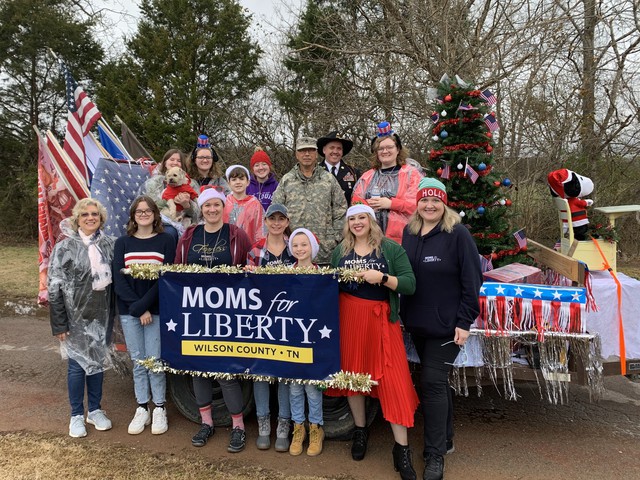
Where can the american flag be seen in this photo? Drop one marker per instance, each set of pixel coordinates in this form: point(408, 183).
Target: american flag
point(521, 238)
point(488, 97)
point(82, 115)
point(116, 185)
point(466, 106)
point(485, 263)
point(446, 171)
point(473, 175)
point(435, 116)
point(75, 180)
point(491, 122)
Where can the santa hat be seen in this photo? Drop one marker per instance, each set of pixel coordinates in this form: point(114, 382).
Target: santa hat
point(229, 170)
point(209, 192)
point(259, 156)
point(556, 181)
point(358, 206)
point(315, 246)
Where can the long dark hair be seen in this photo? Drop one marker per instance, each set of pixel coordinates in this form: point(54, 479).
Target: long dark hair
point(132, 225)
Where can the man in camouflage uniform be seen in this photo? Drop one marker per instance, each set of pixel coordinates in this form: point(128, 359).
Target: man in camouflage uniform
point(313, 198)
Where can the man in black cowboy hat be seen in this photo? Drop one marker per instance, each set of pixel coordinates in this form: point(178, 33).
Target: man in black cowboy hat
point(332, 147)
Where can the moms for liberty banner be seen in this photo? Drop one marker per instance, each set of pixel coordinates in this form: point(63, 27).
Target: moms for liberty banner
point(282, 325)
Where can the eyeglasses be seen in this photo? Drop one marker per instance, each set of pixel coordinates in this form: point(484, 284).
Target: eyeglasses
point(386, 149)
point(144, 213)
point(204, 158)
point(89, 214)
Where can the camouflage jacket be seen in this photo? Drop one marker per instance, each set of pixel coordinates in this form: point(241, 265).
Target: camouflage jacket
point(316, 203)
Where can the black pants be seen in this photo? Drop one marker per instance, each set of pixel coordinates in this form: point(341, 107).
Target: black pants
point(231, 393)
point(436, 357)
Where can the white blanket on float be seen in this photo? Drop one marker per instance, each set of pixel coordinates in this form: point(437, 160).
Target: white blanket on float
point(605, 320)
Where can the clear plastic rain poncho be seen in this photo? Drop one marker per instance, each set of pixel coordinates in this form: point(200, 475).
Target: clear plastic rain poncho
point(75, 307)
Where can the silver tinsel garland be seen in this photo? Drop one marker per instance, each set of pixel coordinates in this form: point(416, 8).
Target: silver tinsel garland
point(356, 382)
point(555, 349)
point(153, 272)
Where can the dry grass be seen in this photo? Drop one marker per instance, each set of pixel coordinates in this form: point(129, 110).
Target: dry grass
point(48, 456)
point(19, 272)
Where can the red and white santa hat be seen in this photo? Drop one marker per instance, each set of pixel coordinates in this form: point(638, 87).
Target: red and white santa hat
point(313, 240)
point(208, 192)
point(557, 179)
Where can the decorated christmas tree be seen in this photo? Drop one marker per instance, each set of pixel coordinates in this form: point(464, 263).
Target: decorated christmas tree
point(464, 125)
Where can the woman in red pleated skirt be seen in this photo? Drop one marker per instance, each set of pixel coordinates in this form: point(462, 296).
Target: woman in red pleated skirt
point(370, 335)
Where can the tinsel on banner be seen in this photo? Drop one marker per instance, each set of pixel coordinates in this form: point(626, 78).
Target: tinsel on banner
point(142, 271)
point(522, 307)
point(356, 382)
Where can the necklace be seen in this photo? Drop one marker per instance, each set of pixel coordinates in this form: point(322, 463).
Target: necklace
point(144, 237)
point(209, 257)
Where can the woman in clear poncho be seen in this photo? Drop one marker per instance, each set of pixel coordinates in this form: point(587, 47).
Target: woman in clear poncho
point(81, 306)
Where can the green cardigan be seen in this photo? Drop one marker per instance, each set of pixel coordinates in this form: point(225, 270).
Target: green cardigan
point(399, 267)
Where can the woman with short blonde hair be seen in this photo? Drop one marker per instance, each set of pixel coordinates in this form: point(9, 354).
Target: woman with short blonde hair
point(81, 309)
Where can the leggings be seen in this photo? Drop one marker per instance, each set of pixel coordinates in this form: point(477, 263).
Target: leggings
point(231, 392)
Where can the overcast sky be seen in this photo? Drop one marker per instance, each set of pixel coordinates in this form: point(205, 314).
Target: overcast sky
point(267, 16)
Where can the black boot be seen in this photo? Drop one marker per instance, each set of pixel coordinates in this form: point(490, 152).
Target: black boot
point(359, 445)
point(402, 462)
point(433, 467)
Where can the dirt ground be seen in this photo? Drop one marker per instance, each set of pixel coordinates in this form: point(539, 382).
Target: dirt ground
point(495, 438)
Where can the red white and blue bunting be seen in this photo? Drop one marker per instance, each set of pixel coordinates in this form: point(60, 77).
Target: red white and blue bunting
point(506, 307)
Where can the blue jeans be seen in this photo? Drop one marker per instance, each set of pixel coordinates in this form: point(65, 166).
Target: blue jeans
point(171, 230)
point(314, 398)
point(143, 342)
point(261, 392)
point(76, 379)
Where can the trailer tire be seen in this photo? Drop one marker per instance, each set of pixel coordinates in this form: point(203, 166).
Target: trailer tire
point(181, 391)
point(338, 421)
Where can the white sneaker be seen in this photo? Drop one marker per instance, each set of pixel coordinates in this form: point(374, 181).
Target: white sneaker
point(77, 428)
point(160, 424)
point(140, 420)
point(98, 419)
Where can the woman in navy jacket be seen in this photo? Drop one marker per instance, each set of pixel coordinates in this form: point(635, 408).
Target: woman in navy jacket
point(446, 264)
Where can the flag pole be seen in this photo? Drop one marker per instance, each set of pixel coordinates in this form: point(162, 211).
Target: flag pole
point(147, 154)
point(115, 138)
point(61, 176)
point(64, 156)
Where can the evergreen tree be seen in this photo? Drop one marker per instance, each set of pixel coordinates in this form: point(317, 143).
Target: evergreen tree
point(462, 155)
point(32, 92)
point(184, 69)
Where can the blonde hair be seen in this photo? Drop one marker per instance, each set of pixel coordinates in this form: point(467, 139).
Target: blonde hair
point(403, 153)
point(214, 172)
point(81, 206)
point(449, 220)
point(374, 238)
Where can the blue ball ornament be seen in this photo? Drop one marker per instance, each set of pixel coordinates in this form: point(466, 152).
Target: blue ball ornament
point(444, 134)
point(506, 182)
point(482, 167)
point(480, 210)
